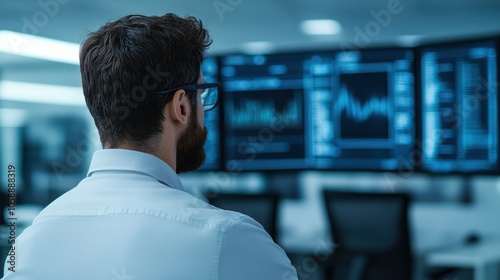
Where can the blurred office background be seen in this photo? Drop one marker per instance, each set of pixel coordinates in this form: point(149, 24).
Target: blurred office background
point(294, 151)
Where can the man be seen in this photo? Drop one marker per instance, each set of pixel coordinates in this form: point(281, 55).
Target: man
point(130, 218)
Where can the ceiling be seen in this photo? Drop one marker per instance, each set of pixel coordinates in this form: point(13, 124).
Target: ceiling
point(234, 22)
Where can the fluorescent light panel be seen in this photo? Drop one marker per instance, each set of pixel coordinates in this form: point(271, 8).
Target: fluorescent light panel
point(39, 47)
point(41, 93)
point(321, 27)
point(409, 40)
point(12, 117)
point(258, 47)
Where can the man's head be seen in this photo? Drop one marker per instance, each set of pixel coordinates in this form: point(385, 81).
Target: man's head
point(126, 63)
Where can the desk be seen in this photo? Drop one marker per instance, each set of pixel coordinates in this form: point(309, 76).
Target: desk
point(483, 257)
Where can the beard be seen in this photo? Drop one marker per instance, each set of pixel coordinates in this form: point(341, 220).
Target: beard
point(190, 151)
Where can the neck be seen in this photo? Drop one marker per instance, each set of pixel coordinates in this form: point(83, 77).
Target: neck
point(161, 148)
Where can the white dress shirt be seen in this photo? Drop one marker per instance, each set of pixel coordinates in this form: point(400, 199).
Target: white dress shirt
point(130, 219)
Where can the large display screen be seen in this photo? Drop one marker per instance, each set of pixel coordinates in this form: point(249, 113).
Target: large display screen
point(460, 107)
point(265, 125)
point(325, 110)
point(362, 105)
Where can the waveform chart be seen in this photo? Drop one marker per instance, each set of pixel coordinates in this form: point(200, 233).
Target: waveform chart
point(362, 108)
point(266, 109)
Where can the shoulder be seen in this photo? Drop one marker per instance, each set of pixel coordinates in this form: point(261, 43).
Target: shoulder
point(248, 252)
point(225, 220)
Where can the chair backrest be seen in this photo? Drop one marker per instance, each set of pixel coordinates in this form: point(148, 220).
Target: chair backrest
point(261, 207)
point(371, 234)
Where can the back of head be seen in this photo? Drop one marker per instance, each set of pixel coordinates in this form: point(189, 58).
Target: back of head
point(126, 62)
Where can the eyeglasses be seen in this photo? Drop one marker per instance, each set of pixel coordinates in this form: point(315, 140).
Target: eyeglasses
point(209, 96)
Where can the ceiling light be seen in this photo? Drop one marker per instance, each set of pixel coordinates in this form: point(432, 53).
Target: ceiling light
point(409, 40)
point(41, 93)
point(258, 47)
point(39, 47)
point(320, 27)
point(12, 117)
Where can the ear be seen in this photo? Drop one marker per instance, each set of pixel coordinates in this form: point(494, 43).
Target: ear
point(179, 107)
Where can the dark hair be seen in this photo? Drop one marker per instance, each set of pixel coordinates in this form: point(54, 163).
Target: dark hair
point(126, 62)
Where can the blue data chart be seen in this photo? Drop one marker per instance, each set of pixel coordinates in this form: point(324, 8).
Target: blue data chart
point(324, 110)
point(460, 107)
point(258, 109)
point(365, 112)
point(265, 126)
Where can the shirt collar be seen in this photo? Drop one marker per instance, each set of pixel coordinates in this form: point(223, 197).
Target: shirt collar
point(129, 160)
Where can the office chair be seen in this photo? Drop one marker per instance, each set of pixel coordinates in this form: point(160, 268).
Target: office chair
point(371, 236)
point(262, 207)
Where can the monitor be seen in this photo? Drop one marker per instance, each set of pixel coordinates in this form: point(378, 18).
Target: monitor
point(264, 118)
point(459, 117)
point(362, 109)
point(350, 110)
point(212, 146)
